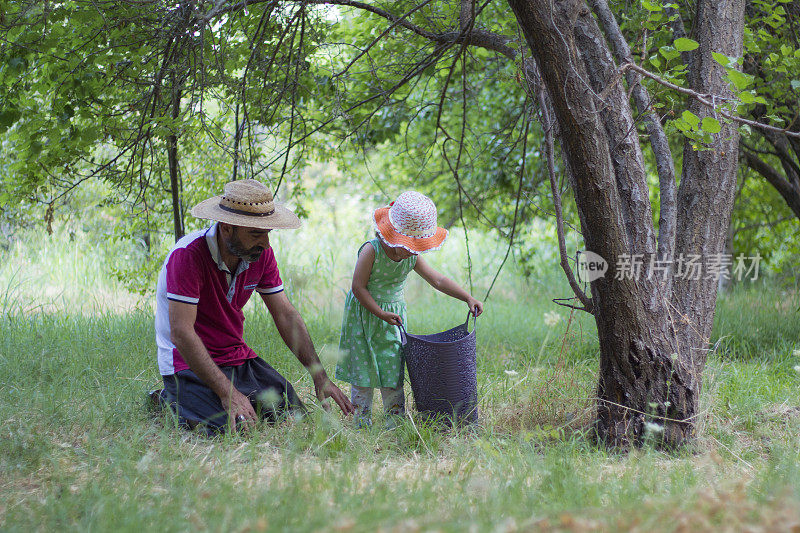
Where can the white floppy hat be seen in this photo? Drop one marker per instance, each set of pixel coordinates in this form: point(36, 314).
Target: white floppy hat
point(247, 203)
point(410, 222)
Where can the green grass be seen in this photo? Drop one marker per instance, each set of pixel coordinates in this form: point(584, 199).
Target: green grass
point(79, 451)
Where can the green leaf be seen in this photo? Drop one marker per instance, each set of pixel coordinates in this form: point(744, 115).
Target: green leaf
point(669, 52)
point(746, 97)
point(683, 44)
point(8, 117)
point(704, 137)
point(691, 118)
point(722, 59)
point(741, 80)
point(35, 147)
point(650, 6)
point(682, 126)
point(711, 125)
point(776, 119)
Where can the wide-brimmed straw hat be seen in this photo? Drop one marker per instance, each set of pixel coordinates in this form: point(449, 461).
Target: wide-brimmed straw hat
point(410, 222)
point(247, 203)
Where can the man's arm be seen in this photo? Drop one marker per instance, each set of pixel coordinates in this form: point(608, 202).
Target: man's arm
point(295, 334)
point(181, 321)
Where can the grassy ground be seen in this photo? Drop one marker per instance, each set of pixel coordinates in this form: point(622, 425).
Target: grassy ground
point(78, 449)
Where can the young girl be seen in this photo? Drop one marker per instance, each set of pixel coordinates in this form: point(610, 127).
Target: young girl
point(370, 339)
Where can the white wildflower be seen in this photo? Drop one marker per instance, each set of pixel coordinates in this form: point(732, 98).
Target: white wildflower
point(269, 397)
point(796, 353)
point(797, 368)
point(651, 428)
point(511, 373)
point(551, 318)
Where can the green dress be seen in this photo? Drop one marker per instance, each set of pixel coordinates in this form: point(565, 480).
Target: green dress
point(370, 347)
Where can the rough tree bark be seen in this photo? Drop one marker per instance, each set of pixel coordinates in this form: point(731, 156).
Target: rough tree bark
point(708, 180)
point(653, 336)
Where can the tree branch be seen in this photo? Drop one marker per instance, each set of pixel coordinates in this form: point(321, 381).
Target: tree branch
point(479, 38)
point(789, 193)
point(658, 139)
point(467, 14)
point(708, 100)
point(678, 31)
point(547, 123)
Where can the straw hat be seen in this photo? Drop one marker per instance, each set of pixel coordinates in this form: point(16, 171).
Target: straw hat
point(247, 203)
point(410, 222)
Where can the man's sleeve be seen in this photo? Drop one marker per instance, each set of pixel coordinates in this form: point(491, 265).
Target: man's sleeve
point(271, 282)
point(183, 277)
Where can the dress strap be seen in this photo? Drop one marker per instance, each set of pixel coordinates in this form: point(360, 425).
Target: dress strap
point(372, 242)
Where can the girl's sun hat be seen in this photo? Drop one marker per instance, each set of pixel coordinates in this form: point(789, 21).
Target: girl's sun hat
point(247, 203)
point(410, 222)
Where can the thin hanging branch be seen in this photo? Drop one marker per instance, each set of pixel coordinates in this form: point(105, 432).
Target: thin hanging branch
point(547, 123)
point(265, 16)
point(295, 83)
point(516, 204)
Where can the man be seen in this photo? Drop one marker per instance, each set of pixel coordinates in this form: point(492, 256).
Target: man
point(210, 375)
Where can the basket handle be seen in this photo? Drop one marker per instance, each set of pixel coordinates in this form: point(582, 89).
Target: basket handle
point(474, 321)
point(403, 335)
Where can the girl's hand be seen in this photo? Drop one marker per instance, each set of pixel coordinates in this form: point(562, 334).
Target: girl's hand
point(391, 318)
point(475, 307)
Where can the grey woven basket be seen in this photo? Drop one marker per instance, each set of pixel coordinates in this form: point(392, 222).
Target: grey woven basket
point(442, 369)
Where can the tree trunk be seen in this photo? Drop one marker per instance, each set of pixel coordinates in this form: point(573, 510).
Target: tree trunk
point(647, 387)
point(172, 154)
point(708, 182)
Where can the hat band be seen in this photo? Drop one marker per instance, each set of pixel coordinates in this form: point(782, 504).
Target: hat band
point(415, 236)
point(245, 213)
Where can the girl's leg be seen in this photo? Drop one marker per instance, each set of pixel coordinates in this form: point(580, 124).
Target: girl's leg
point(362, 401)
point(394, 404)
point(394, 400)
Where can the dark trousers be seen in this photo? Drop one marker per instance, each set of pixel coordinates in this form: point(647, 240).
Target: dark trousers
point(271, 395)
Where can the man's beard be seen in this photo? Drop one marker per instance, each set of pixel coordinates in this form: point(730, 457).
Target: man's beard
point(235, 247)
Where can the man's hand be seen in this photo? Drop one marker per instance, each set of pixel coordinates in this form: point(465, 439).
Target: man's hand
point(240, 410)
point(182, 318)
point(295, 334)
point(325, 388)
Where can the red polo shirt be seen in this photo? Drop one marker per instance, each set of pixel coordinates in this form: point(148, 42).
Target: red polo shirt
point(194, 273)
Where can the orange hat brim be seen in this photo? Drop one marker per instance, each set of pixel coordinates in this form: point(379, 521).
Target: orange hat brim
point(392, 237)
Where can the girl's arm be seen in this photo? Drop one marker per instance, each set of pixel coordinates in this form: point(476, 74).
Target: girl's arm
point(360, 278)
point(442, 283)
